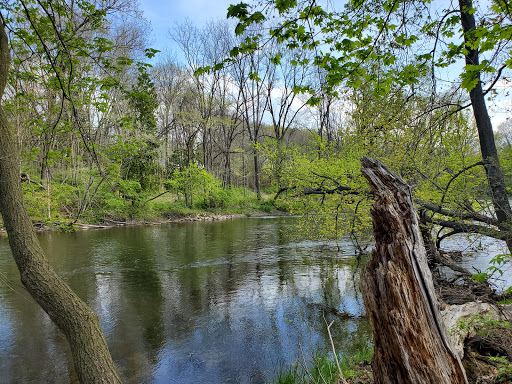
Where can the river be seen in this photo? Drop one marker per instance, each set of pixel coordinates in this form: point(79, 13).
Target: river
point(228, 301)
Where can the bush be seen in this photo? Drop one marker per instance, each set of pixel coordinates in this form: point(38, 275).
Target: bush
point(267, 207)
point(62, 201)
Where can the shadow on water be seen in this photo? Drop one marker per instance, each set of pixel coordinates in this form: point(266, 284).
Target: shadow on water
point(216, 302)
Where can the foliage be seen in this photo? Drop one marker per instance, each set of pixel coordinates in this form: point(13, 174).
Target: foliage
point(325, 184)
point(265, 207)
point(193, 181)
point(143, 167)
point(323, 180)
point(323, 368)
point(396, 35)
point(497, 264)
point(483, 324)
point(142, 99)
point(60, 201)
point(504, 372)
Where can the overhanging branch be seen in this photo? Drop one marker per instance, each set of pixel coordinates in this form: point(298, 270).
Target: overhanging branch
point(469, 228)
point(454, 214)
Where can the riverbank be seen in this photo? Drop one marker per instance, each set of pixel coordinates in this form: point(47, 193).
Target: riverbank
point(61, 212)
point(179, 218)
point(170, 217)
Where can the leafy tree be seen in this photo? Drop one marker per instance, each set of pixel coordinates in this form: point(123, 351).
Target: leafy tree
point(68, 41)
point(143, 100)
point(193, 181)
point(324, 185)
point(406, 42)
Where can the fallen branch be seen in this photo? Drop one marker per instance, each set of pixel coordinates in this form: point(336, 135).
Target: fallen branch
point(153, 198)
point(460, 215)
point(460, 226)
point(26, 178)
point(325, 191)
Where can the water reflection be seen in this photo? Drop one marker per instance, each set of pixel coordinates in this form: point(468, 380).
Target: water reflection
point(216, 302)
point(478, 252)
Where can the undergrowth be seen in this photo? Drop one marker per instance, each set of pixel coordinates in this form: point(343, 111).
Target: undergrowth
point(323, 368)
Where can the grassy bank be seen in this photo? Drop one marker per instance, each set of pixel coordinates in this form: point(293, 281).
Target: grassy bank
point(59, 205)
point(325, 369)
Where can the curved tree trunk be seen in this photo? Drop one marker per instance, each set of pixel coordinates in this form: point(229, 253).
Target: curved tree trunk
point(488, 149)
point(80, 325)
point(411, 344)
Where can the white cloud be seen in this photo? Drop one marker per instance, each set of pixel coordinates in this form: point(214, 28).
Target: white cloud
point(499, 103)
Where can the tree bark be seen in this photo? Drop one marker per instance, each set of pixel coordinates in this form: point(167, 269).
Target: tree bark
point(411, 344)
point(80, 325)
point(488, 149)
point(257, 175)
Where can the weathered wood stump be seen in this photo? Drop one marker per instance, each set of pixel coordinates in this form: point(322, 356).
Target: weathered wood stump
point(411, 343)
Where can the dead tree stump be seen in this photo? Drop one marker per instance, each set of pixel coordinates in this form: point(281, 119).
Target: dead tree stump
point(411, 343)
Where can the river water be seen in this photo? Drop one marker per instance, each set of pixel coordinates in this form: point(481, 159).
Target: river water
point(202, 302)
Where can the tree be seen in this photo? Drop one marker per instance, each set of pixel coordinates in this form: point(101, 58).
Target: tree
point(64, 136)
point(201, 47)
point(411, 341)
point(79, 324)
point(51, 29)
point(483, 122)
point(406, 41)
point(251, 75)
point(284, 104)
point(170, 80)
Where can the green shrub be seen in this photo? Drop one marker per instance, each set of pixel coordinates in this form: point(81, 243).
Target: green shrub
point(266, 207)
point(62, 201)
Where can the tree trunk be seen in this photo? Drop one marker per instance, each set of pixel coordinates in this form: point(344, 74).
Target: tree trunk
point(227, 168)
point(257, 175)
point(411, 344)
point(80, 325)
point(495, 177)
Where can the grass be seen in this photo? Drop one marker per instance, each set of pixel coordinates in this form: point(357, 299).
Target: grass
point(323, 368)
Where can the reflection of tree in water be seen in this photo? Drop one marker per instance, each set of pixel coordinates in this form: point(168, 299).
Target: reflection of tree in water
point(221, 301)
point(142, 288)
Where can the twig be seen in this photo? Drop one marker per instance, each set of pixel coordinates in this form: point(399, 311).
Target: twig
point(342, 378)
point(26, 178)
point(305, 365)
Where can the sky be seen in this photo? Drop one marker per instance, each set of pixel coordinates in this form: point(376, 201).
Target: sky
point(164, 14)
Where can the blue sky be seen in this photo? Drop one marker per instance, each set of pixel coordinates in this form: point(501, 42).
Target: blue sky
point(164, 14)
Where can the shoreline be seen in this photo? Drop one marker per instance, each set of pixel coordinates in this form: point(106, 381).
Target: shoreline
point(172, 218)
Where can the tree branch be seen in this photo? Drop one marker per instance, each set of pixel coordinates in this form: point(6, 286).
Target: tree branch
point(153, 198)
point(460, 215)
point(469, 228)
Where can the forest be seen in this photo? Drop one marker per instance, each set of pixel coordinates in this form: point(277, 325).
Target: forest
point(269, 110)
point(101, 131)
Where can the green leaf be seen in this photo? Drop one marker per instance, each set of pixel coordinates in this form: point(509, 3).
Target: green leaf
point(480, 277)
point(284, 5)
point(150, 52)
